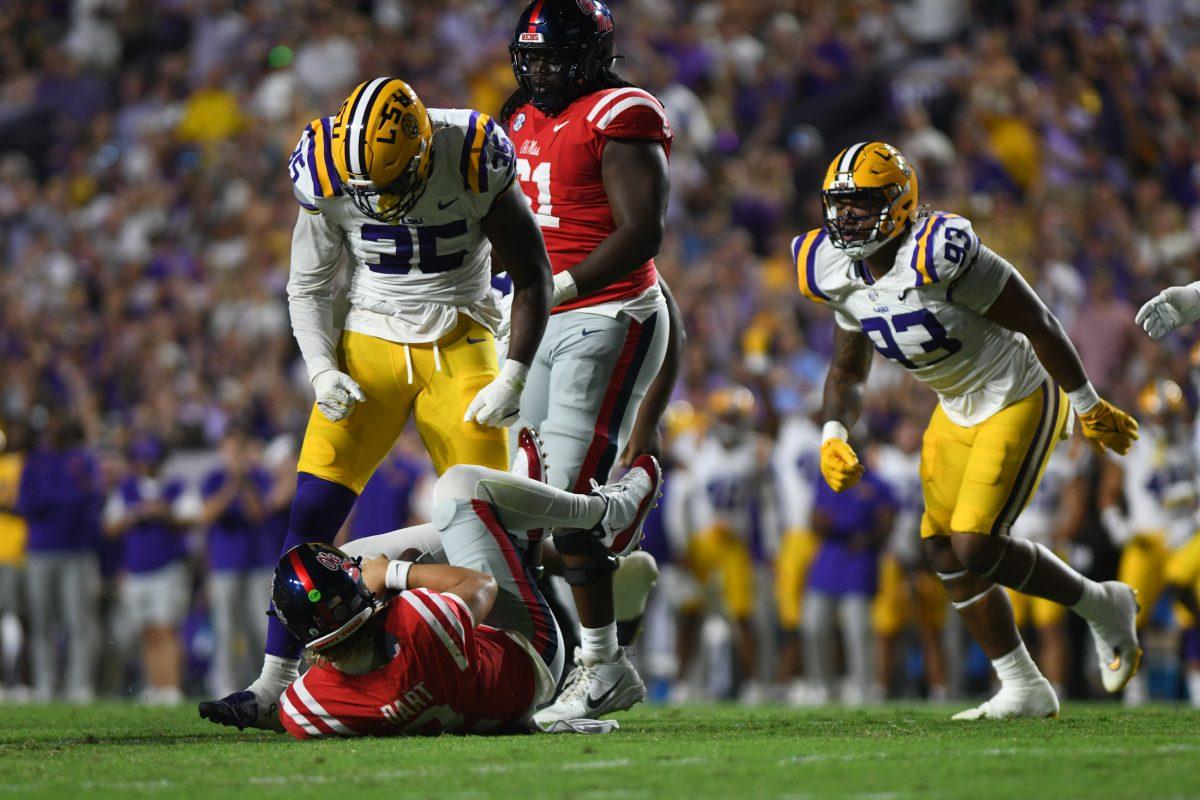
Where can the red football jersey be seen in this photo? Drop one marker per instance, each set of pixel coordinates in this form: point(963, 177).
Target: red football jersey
point(446, 675)
point(558, 167)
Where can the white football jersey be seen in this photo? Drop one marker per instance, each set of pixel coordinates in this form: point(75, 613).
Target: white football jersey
point(407, 281)
point(1036, 523)
point(1160, 486)
point(729, 486)
point(926, 313)
point(796, 463)
point(901, 471)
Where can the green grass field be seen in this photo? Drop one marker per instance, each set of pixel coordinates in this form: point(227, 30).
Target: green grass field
point(1094, 751)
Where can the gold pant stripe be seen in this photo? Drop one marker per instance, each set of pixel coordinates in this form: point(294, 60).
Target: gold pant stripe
point(1035, 459)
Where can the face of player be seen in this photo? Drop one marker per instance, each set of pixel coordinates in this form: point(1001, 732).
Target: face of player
point(856, 214)
point(547, 73)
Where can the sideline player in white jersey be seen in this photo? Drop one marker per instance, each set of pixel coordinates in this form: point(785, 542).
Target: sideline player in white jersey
point(417, 199)
point(908, 591)
point(1050, 521)
point(1148, 504)
point(795, 466)
point(592, 160)
point(727, 485)
point(922, 290)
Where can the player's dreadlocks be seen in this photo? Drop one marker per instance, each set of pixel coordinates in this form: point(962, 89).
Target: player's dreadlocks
point(605, 79)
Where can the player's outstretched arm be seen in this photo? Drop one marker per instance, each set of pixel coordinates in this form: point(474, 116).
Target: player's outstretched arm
point(517, 243)
point(1019, 309)
point(637, 183)
point(476, 589)
point(645, 438)
point(1170, 308)
point(842, 406)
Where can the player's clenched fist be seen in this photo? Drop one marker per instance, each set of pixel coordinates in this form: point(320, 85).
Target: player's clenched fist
point(499, 403)
point(1108, 427)
point(336, 394)
point(840, 465)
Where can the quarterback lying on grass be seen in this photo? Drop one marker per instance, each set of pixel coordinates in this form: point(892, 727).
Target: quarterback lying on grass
point(462, 641)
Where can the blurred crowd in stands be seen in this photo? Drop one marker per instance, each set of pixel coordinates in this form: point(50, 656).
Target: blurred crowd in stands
point(152, 397)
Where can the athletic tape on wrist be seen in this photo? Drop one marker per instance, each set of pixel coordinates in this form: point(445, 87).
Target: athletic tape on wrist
point(397, 575)
point(834, 430)
point(1083, 399)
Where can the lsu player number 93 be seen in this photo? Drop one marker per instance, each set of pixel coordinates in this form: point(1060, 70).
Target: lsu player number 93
point(924, 292)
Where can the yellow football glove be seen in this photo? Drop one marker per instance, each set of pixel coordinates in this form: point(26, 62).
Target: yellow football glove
point(839, 465)
point(1107, 427)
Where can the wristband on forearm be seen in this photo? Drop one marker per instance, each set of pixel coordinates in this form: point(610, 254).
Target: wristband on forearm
point(564, 288)
point(1083, 399)
point(834, 430)
point(397, 575)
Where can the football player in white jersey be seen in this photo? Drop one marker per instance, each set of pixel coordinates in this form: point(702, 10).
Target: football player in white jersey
point(1053, 514)
point(417, 199)
point(922, 290)
point(1148, 505)
point(908, 591)
point(727, 479)
point(795, 467)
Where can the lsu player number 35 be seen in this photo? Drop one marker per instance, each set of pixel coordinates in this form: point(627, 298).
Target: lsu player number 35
point(922, 290)
point(417, 199)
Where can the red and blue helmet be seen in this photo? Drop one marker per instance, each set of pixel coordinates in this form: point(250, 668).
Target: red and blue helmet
point(575, 35)
point(319, 596)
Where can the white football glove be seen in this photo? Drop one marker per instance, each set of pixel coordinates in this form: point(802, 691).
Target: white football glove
point(1170, 308)
point(498, 403)
point(336, 394)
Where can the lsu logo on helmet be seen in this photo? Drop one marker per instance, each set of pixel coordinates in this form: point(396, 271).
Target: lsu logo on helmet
point(870, 196)
point(381, 142)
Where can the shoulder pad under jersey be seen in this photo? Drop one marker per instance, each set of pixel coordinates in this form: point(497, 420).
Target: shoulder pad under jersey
point(944, 246)
point(311, 166)
point(628, 113)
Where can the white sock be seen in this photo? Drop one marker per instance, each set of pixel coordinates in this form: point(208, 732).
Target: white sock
point(1017, 668)
point(1094, 602)
point(598, 645)
point(277, 674)
point(1193, 685)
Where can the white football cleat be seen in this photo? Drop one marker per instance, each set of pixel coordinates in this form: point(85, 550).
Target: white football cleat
point(1036, 700)
point(593, 690)
point(1116, 637)
point(628, 503)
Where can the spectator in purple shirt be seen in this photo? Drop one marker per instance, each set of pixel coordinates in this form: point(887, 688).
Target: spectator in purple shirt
point(852, 527)
point(386, 501)
point(149, 513)
point(61, 503)
point(234, 517)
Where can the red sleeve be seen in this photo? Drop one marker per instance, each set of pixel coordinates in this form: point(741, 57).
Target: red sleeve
point(630, 113)
point(310, 708)
point(441, 622)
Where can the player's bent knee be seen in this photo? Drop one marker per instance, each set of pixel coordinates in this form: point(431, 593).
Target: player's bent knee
point(580, 543)
point(979, 553)
point(447, 511)
point(940, 553)
point(458, 483)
